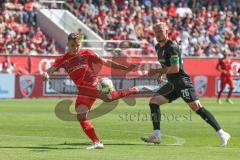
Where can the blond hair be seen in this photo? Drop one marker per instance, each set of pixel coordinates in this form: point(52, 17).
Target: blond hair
point(161, 25)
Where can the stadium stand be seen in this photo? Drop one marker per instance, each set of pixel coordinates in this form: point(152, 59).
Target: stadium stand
point(202, 28)
point(19, 31)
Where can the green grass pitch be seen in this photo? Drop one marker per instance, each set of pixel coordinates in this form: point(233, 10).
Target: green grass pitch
point(30, 130)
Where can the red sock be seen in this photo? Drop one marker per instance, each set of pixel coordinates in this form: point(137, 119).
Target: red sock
point(230, 92)
point(117, 94)
point(89, 130)
point(220, 93)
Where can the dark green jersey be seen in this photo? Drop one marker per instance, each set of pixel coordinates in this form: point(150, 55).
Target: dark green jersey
point(170, 49)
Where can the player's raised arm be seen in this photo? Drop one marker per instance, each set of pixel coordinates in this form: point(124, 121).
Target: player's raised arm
point(116, 65)
point(173, 68)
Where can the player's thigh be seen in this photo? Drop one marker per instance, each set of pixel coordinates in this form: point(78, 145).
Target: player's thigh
point(84, 100)
point(223, 82)
point(230, 82)
point(88, 91)
point(92, 92)
point(158, 99)
point(165, 95)
point(188, 94)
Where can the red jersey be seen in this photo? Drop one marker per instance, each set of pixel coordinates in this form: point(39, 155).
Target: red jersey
point(82, 68)
point(225, 64)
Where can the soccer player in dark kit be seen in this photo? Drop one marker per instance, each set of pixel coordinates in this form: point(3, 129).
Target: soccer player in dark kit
point(169, 56)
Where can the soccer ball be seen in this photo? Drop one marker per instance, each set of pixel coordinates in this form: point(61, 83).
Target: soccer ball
point(105, 85)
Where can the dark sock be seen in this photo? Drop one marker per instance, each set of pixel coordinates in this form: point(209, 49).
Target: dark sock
point(209, 118)
point(155, 115)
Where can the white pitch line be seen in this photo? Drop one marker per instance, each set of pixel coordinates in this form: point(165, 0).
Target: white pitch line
point(34, 137)
point(179, 141)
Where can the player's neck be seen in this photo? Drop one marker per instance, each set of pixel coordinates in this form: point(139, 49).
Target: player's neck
point(162, 43)
point(72, 53)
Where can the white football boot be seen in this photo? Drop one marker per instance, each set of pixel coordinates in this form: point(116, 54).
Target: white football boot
point(96, 145)
point(224, 137)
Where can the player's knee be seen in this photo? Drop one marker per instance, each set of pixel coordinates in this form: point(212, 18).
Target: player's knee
point(195, 105)
point(159, 100)
point(82, 111)
point(154, 100)
point(81, 116)
point(107, 98)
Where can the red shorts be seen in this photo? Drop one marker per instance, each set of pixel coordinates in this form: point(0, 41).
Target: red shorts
point(87, 95)
point(226, 80)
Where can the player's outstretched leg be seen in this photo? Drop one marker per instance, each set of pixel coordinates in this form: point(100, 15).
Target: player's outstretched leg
point(210, 119)
point(116, 94)
point(87, 127)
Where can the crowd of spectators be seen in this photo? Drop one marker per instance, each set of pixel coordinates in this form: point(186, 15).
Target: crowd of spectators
point(19, 31)
point(202, 27)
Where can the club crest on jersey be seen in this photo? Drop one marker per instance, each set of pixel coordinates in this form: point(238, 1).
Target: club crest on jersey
point(26, 83)
point(200, 84)
point(163, 53)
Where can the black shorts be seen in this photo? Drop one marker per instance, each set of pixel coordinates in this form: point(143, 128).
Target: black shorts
point(182, 87)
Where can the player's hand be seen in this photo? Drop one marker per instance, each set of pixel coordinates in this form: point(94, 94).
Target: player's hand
point(225, 72)
point(160, 79)
point(45, 76)
point(131, 67)
point(152, 72)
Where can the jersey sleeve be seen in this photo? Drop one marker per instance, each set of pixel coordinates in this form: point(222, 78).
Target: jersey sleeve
point(95, 58)
point(58, 62)
point(174, 54)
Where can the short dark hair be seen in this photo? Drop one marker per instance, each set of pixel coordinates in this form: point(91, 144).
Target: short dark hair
point(74, 37)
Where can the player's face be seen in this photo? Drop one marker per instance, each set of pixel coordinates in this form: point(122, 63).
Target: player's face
point(160, 33)
point(73, 46)
point(225, 54)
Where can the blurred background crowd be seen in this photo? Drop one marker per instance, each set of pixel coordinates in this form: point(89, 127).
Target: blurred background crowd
point(203, 28)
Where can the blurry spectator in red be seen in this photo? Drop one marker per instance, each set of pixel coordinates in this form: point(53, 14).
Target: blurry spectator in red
point(172, 10)
point(8, 66)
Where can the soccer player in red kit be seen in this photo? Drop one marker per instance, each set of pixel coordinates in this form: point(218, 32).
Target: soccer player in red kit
point(83, 66)
point(224, 66)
